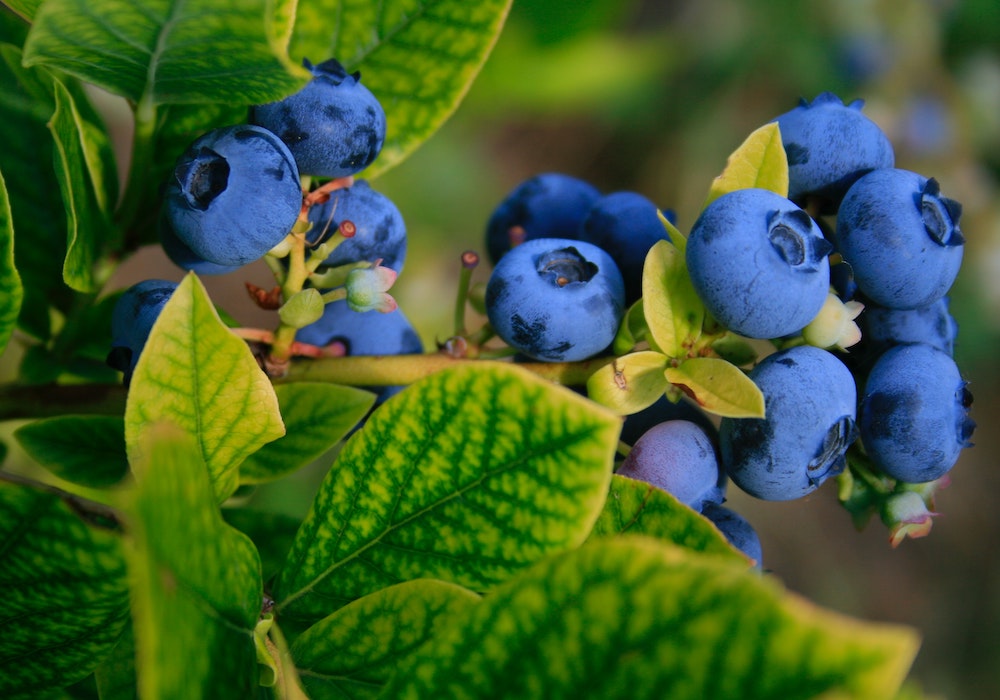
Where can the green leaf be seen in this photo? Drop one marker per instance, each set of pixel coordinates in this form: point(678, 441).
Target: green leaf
point(85, 450)
point(115, 678)
point(718, 387)
point(197, 375)
point(760, 161)
point(467, 476)
point(65, 593)
point(353, 652)
point(418, 57)
point(317, 416)
point(673, 310)
point(305, 307)
point(156, 52)
point(271, 533)
point(25, 8)
point(629, 383)
point(735, 349)
point(196, 591)
point(632, 617)
point(632, 330)
point(676, 237)
point(11, 291)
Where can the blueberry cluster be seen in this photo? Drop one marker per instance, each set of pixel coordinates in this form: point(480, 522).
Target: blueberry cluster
point(237, 193)
point(562, 294)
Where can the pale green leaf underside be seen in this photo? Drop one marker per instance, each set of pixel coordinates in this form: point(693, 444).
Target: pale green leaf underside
point(718, 386)
point(760, 162)
point(634, 618)
point(636, 508)
point(86, 450)
point(11, 291)
point(630, 383)
point(673, 310)
point(418, 57)
point(317, 416)
point(195, 374)
point(353, 652)
point(165, 51)
point(467, 476)
point(65, 593)
point(197, 588)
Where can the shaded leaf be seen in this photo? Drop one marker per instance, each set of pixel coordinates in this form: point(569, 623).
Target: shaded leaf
point(632, 618)
point(418, 57)
point(760, 161)
point(636, 508)
point(85, 450)
point(317, 416)
point(353, 652)
point(632, 330)
point(65, 593)
point(271, 533)
point(467, 476)
point(197, 375)
point(674, 312)
point(629, 383)
point(115, 677)
point(25, 8)
point(718, 387)
point(11, 291)
point(196, 585)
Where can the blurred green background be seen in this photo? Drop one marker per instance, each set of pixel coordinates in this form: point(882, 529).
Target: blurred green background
point(651, 96)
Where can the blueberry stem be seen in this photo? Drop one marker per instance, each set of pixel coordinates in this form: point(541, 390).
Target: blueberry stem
point(470, 260)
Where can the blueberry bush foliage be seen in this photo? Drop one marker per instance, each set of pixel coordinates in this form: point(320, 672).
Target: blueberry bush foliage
point(469, 540)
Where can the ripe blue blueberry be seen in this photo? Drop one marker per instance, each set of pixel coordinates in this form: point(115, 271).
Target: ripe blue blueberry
point(548, 205)
point(556, 300)
point(379, 231)
point(234, 195)
point(759, 263)
point(132, 319)
point(625, 225)
point(366, 333)
point(914, 417)
point(740, 533)
point(933, 325)
point(184, 257)
point(334, 126)
point(809, 403)
point(678, 457)
point(901, 238)
point(830, 145)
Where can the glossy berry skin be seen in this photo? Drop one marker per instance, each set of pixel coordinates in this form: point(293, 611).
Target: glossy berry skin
point(914, 418)
point(556, 300)
point(830, 145)
point(132, 319)
point(379, 229)
point(932, 325)
point(736, 529)
point(901, 238)
point(548, 205)
point(366, 333)
point(759, 263)
point(625, 225)
point(678, 457)
point(234, 195)
point(334, 126)
point(810, 408)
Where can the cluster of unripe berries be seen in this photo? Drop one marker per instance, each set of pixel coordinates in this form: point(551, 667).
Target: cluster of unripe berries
point(236, 193)
point(854, 232)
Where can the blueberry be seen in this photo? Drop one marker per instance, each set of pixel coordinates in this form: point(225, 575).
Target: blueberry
point(759, 263)
point(368, 333)
point(548, 205)
point(132, 319)
point(663, 409)
point(830, 145)
point(556, 300)
point(901, 237)
point(184, 257)
point(740, 533)
point(334, 126)
point(234, 195)
point(678, 457)
point(914, 417)
point(809, 401)
point(625, 225)
point(933, 325)
point(379, 231)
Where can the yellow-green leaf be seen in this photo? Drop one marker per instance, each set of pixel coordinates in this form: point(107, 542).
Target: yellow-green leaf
point(632, 329)
point(718, 387)
point(760, 162)
point(629, 383)
point(197, 375)
point(11, 291)
point(632, 617)
point(674, 312)
point(468, 475)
